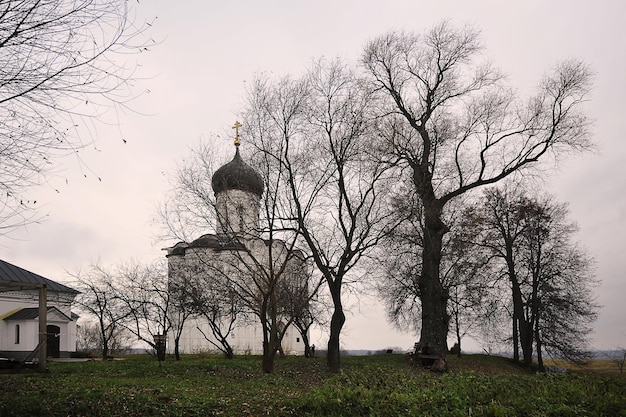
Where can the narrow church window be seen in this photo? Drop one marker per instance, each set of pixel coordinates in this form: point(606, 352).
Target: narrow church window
point(17, 334)
point(240, 214)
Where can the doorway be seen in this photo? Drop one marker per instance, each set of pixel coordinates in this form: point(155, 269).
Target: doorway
point(53, 341)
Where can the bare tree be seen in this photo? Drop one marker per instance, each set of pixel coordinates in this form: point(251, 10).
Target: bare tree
point(97, 298)
point(89, 339)
point(182, 305)
point(221, 308)
point(397, 265)
point(562, 302)
point(457, 127)
point(200, 286)
point(60, 72)
point(188, 211)
point(303, 305)
point(500, 230)
point(468, 284)
point(319, 131)
point(267, 272)
point(142, 290)
point(551, 278)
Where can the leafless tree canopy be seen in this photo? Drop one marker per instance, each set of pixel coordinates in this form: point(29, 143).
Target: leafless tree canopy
point(456, 118)
point(189, 209)
point(457, 125)
point(89, 340)
point(62, 66)
point(529, 242)
point(319, 131)
point(98, 302)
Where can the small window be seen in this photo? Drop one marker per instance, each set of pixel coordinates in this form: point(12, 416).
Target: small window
point(297, 340)
point(17, 334)
point(240, 212)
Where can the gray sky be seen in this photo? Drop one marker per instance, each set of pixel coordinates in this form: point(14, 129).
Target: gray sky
point(197, 80)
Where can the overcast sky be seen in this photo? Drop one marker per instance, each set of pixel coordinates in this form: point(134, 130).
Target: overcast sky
point(197, 80)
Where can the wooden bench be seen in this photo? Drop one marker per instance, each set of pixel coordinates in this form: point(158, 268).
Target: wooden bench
point(424, 358)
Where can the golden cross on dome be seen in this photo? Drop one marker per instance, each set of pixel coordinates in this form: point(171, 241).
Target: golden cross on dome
point(236, 127)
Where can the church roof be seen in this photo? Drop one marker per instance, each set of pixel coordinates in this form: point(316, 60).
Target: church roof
point(237, 175)
point(12, 277)
point(215, 242)
point(31, 313)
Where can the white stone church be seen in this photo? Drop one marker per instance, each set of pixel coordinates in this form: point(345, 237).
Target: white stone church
point(19, 314)
point(236, 252)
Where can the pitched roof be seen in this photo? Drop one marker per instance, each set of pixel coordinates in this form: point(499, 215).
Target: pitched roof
point(12, 276)
point(32, 313)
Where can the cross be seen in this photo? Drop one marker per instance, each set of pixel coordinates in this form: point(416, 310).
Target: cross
point(236, 127)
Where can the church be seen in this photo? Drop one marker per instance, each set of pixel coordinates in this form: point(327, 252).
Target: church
point(216, 271)
point(20, 305)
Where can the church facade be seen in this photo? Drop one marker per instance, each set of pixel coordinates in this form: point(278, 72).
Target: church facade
point(19, 314)
point(221, 276)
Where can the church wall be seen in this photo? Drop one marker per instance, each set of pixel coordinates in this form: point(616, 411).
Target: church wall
point(10, 301)
point(29, 335)
point(246, 339)
point(13, 301)
point(238, 212)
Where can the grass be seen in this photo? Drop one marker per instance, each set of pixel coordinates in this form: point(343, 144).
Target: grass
point(378, 385)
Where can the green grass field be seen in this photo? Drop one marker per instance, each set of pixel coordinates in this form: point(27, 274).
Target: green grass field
point(378, 385)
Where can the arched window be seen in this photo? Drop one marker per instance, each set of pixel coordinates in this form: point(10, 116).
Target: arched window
point(17, 334)
point(240, 213)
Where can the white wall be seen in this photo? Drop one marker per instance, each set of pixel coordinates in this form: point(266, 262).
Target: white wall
point(245, 339)
point(29, 329)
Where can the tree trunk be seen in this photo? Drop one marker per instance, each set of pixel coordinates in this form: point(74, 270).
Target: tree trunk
point(307, 347)
point(434, 297)
point(515, 339)
point(229, 354)
point(105, 351)
point(271, 340)
point(269, 354)
point(538, 342)
point(177, 348)
point(458, 334)
point(525, 330)
point(105, 342)
point(526, 337)
point(336, 323)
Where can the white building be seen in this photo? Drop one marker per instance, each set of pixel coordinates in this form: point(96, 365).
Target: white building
point(236, 255)
point(19, 314)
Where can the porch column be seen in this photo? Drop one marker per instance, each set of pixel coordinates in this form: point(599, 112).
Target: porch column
point(43, 327)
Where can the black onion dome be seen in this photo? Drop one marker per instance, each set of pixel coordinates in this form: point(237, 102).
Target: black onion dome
point(237, 175)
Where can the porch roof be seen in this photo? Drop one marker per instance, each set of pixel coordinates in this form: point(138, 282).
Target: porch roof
point(31, 313)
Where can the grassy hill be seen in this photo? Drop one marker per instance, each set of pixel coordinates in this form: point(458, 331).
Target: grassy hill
point(377, 385)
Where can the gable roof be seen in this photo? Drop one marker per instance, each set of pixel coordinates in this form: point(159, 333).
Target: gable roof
point(12, 276)
point(32, 313)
